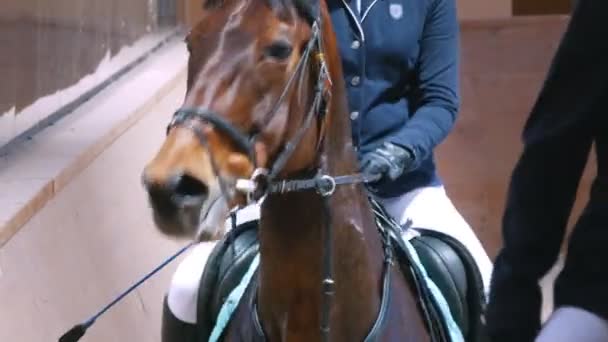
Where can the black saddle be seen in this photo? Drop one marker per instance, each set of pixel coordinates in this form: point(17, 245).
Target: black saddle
point(447, 262)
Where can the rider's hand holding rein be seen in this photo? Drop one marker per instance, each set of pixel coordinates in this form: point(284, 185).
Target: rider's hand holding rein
point(389, 160)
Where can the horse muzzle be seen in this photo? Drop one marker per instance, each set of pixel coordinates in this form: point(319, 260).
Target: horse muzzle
point(176, 203)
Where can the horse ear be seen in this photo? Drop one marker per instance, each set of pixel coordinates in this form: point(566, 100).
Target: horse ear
point(315, 8)
point(310, 9)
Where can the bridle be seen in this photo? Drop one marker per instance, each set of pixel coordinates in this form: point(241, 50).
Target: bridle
point(264, 182)
point(259, 184)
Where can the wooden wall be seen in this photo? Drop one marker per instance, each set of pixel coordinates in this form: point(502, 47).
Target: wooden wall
point(467, 9)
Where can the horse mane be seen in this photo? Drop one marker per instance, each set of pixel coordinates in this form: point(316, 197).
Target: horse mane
point(304, 8)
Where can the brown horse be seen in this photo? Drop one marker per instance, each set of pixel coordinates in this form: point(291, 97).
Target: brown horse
point(254, 74)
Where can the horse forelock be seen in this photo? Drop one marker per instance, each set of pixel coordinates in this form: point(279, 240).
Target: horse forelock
point(306, 9)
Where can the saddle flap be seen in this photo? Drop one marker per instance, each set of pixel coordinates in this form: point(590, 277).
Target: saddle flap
point(224, 269)
point(453, 268)
point(448, 272)
point(450, 266)
point(447, 262)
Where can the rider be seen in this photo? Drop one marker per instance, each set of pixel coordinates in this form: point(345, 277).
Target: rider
point(401, 66)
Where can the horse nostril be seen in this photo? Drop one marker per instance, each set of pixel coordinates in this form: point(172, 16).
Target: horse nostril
point(186, 185)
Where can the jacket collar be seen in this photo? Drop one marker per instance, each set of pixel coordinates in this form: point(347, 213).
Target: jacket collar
point(350, 6)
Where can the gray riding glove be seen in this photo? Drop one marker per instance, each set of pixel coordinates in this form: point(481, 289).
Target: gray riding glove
point(389, 160)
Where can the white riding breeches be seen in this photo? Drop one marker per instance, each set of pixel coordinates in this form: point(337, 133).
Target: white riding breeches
point(427, 207)
point(431, 208)
point(183, 291)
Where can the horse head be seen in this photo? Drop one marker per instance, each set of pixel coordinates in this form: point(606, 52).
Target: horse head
point(252, 71)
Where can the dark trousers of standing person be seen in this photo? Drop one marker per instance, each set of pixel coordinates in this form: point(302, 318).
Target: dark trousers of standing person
point(570, 113)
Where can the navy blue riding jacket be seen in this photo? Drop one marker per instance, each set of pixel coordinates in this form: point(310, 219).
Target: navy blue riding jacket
point(400, 61)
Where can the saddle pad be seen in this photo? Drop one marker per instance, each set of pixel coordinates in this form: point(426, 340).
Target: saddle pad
point(224, 270)
point(233, 301)
point(450, 266)
point(446, 269)
point(456, 273)
point(453, 330)
point(233, 256)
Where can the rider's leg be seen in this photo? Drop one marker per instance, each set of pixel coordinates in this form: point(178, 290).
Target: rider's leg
point(179, 307)
point(180, 304)
point(175, 330)
point(573, 324)
point(183, 290)
point(431, 208)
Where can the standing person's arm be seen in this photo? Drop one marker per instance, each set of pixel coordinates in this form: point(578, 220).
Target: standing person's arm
point(577, 78)
point(557, 141)
point(559, 132)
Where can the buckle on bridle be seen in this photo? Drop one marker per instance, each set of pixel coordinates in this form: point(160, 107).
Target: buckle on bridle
point(326, 185)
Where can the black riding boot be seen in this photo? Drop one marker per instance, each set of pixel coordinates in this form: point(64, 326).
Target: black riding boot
point(175, 330)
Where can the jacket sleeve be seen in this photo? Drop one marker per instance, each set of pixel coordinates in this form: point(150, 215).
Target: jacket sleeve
point(438, 83)
point(557, 139)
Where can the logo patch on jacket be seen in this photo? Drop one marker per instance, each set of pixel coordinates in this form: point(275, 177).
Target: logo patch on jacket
point(396, 11)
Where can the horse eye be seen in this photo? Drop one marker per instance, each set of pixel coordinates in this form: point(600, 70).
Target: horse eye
point(279, 50)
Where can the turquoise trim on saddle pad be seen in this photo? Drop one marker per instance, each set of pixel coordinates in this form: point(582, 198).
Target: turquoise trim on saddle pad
point(453, 328)
point(233, 301)
point(235, 296)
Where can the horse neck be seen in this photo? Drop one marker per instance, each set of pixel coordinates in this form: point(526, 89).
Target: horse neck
point(291, 249)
